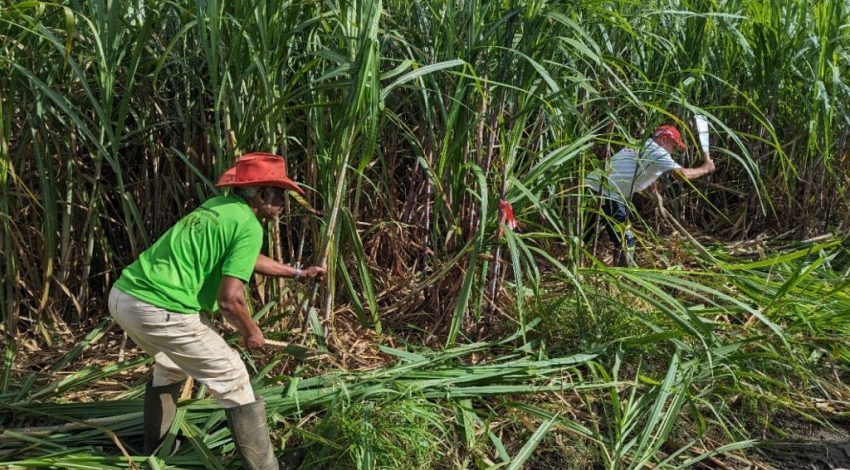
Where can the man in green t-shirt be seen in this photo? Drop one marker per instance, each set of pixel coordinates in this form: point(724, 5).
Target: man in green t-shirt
point(201, 265)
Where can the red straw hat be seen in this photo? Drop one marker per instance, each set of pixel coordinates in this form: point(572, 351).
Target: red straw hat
point(671, 133)
point(259, 169)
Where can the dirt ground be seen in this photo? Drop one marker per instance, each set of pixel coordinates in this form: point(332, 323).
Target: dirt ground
point(809, 449)
point(814, 454)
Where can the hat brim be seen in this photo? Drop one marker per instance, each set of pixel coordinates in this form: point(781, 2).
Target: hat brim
point(228, 179)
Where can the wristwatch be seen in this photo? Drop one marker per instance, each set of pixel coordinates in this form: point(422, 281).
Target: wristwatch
point(297, 273)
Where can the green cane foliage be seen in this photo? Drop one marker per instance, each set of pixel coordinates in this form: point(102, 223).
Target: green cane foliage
point(529, 75)
point(8, 302)
point(92, 337)
point(196, 438)
point(365, 289)
point(398, 396)
point(526, 451)
point(460, 311)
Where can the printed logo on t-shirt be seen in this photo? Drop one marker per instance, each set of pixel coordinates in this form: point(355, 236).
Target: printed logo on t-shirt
point(195, 220)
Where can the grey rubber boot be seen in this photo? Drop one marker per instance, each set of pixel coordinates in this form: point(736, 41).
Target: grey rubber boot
point(160, 408)
point(250, 433)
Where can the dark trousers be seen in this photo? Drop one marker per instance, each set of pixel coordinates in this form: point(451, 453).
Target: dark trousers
point(616, 223)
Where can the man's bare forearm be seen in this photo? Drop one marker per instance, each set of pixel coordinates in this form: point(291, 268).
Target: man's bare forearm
point(236, 313)
point(269, 267)
point(693, 173)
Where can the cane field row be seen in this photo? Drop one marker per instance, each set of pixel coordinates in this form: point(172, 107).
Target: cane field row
point(455, 339)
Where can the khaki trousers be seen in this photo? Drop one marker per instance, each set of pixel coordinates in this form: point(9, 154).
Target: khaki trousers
point(183, 345)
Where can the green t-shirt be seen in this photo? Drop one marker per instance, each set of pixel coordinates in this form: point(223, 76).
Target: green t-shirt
point(182, 271)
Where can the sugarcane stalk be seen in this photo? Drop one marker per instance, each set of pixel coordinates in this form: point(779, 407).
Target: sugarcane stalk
point(332, 221)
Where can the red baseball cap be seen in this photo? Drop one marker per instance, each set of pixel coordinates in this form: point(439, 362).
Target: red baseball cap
point(259, 169)
point(671, 133)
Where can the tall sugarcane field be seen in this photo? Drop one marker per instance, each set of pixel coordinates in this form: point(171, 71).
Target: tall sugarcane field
point(455, 271)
